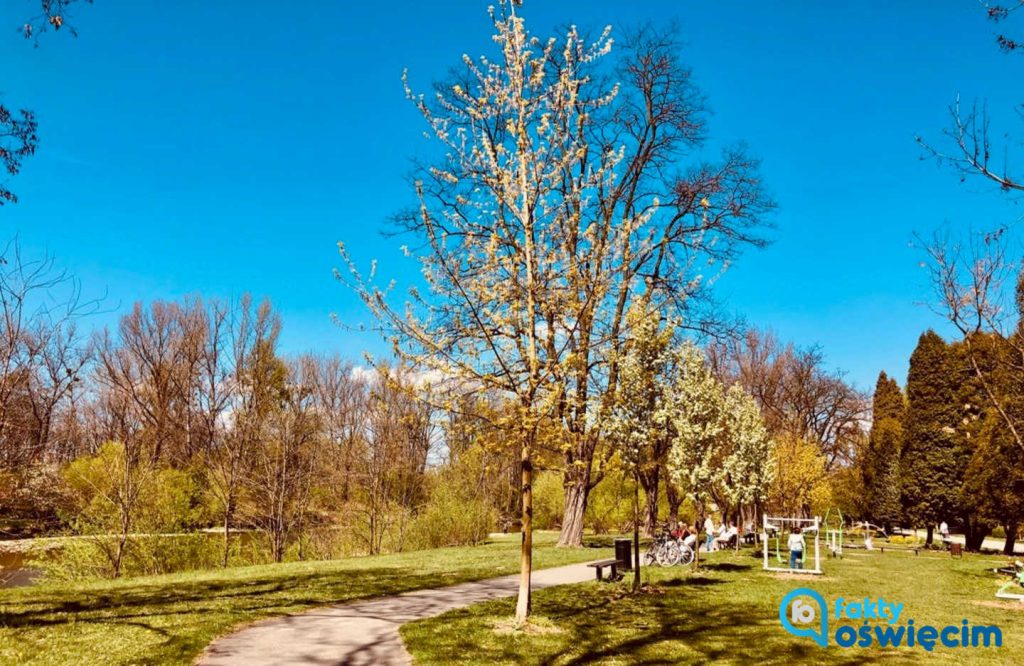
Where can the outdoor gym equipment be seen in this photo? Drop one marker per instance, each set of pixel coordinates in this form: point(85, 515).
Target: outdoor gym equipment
point(776, 526)
point(834, 525)
point(1016, 571)
point(866, 531)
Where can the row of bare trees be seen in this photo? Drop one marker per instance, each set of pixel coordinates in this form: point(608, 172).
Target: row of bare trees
point(276, 444)
point(798, 396)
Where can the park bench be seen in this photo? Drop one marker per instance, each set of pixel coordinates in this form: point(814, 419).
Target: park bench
point(916, 549)
point(612, 563)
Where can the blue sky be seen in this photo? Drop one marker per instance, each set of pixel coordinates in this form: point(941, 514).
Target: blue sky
point(225, 147)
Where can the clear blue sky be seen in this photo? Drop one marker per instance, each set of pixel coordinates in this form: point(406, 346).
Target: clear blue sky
point(224, 147)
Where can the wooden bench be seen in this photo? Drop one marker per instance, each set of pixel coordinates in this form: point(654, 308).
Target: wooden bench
point(613, 564)
point(916, 549)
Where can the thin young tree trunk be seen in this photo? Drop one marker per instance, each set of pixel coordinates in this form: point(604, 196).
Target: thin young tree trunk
point(227, 537)
point(674, 502)
point(526, 550)
point(636, 531)
point(125, 524)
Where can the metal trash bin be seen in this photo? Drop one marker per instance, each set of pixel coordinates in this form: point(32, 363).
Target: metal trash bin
point(624, 553)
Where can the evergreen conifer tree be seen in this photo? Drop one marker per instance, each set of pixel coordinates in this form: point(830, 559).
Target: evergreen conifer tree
point(881, 464)
point(929, 469)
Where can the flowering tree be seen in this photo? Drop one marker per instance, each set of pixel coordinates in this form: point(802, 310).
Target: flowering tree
point(748, 469)
point(641, 422)
point(551, 207)
point(641, 419)
point(721, 451)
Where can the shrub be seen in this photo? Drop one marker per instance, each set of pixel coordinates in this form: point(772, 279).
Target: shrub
point(169, 499)
point(451, 518)
point(88, 557)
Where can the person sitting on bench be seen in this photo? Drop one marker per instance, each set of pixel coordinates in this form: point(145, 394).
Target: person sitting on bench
point(726, 536)
point(688, 536)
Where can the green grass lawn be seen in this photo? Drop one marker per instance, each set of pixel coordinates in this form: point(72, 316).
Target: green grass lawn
point(728, 612)
point(170, 619)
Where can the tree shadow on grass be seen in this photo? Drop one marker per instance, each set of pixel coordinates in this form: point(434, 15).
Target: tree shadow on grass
point(690, 581)
point(727, 566)
point(261, 596)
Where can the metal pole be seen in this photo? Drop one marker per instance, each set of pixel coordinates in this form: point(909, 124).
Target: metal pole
point(817, 536)
point(764, 540)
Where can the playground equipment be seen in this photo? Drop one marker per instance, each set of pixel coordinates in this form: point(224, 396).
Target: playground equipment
point(775, 527)
point(834, 524)
point(866, 532)
point(1016, 582)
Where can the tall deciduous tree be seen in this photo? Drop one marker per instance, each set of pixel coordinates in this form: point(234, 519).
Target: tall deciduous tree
point(797, 395)
point(552, 208)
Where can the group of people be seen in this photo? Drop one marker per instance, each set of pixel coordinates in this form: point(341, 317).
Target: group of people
point(720, 537)
point(688, 536)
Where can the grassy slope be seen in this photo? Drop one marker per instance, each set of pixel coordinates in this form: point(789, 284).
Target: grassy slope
point(727, 613)
point(170, 619)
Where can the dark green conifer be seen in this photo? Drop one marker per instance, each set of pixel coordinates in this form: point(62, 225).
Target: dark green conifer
point(930, 468)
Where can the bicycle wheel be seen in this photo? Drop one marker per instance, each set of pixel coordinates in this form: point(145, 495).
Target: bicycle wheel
point(686, 555)
point(669, 555)
point(650, 558)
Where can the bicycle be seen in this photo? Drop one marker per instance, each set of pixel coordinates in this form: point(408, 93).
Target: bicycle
point(668, 550)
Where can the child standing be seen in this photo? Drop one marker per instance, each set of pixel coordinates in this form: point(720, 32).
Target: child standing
point(796, 549)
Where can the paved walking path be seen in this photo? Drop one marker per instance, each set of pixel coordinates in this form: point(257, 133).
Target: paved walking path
point(364, 632)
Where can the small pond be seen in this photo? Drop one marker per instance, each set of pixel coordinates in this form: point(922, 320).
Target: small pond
point(12, 569)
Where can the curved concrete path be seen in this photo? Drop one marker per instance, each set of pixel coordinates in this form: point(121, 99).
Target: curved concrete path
point(364, 632)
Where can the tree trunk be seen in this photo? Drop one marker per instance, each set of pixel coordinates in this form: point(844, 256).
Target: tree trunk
point(526, 549)
point(120, 554)
point(227, 537)
point(576, 491)
point(930, 535)
point(1011, 542)
point(675, 500)
point(649, 482)
point(974, 534)
point(1011, 539)
point(636, 531)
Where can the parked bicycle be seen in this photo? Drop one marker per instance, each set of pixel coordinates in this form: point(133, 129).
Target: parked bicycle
point(668, 549)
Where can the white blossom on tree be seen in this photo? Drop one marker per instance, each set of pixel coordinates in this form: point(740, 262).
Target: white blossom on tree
point(748, 468)
point(721, 452)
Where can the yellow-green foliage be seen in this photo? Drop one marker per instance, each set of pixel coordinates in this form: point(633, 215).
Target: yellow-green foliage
point(610, 506)
point(168, 499)
point(801, 485)
point(457, 511)
point(452, 517)
point(548, 500)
